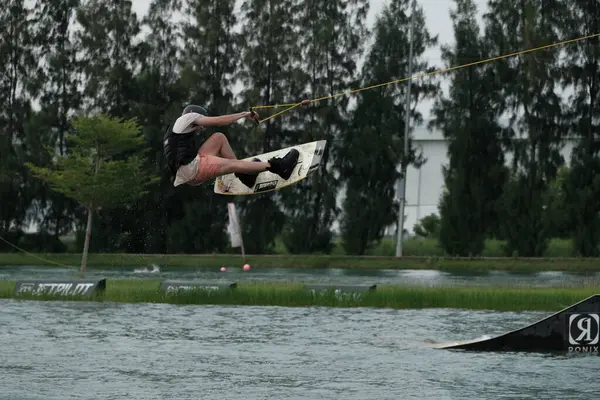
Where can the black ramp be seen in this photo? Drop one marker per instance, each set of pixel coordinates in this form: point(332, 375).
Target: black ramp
point(574, 329)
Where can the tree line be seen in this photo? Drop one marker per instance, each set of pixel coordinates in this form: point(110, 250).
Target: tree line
point(62, 58)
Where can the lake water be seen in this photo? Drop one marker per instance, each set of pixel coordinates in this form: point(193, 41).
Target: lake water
point(78, 350)
point(90, 350)
point(337, 276)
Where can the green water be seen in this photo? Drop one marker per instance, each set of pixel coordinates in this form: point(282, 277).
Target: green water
point(330, 275)
point(69, 350)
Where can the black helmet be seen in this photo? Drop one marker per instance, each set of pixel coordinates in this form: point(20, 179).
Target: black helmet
point(196, 109)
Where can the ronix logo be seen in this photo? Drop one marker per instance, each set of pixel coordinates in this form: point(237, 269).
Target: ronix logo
point(64, 289)
point(584, 332)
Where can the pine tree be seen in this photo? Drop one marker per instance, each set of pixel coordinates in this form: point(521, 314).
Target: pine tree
point(331, 37)
point(475, 174)
point(16, 85)
point(270, 54)
point(160, 101)
point(110, 48)
point(530, 98)
point(211, 54)
point(57, 81)
point(210, 58)
point(371, 146)
point(108, 41)
point(582, 74)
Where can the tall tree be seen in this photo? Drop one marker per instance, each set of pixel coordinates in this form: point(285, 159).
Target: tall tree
point(467, 117)
point(332, 34)
point(107, 39)
point(529, 85)
point(211, 57)
point(159, 103)
point(582, 75)
point(269, 72)
point(109, 44)
point(211, 52)
point(18, 66)
point(369, 156)
point(59, 96)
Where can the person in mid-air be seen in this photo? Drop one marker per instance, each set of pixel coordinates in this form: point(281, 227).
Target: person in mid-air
point(215, 157)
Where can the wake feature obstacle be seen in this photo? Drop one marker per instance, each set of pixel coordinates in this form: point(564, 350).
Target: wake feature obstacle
point(575, 329)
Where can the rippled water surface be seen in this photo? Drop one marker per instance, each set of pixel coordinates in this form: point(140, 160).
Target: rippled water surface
point(337, 276)
point(78, 350)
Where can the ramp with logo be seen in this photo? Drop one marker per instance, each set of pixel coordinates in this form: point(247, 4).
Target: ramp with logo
point(574, 329)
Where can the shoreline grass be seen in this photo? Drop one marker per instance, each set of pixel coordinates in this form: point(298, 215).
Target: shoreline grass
point(412, 246)
point(295, 295)
point(182, 261)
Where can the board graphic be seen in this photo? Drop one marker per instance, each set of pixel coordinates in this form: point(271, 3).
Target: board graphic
point(309, 161)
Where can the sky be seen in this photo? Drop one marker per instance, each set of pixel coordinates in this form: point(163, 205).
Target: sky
point(437, 14)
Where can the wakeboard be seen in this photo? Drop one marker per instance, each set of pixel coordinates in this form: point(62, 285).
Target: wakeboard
point(309, 161)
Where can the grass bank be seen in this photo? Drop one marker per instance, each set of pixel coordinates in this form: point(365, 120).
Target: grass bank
point(412, 246)
point(295, 295)
point(418, 254)
point(430, 248)
point(166, 261)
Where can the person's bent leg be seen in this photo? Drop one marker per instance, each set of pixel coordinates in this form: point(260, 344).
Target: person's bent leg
point(229, 166)
point(211, 167)
point(217, 144)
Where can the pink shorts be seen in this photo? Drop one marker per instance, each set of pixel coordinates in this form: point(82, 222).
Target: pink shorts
point(208, 168)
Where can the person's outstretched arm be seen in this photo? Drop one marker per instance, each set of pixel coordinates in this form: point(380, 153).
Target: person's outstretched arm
point(227, 119)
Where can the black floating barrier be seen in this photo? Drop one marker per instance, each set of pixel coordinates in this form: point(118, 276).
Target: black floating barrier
point(171, 286)
point(60, 287)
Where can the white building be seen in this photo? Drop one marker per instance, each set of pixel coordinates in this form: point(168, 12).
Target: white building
point(424, 186)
